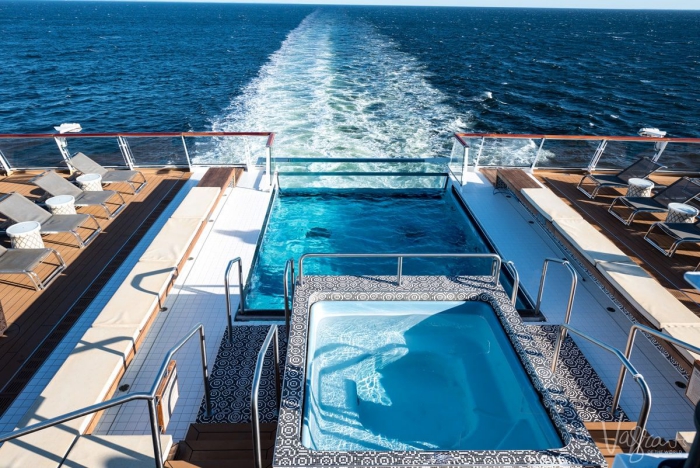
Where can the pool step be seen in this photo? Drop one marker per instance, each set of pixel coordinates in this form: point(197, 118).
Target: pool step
point(613, 438)
point(223, 445)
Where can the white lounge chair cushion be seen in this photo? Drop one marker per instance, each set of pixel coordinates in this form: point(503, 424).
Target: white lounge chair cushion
point(647, 295)
point(116, 451)
point(197, 204)
point(173, 240)
point(591, 243)
point(688, 333)
point(84, 379)
point(549, 205)
point(137, 297)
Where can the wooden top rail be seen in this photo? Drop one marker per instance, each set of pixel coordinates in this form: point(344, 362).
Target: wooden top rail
point(515, 136)
point(270, 135)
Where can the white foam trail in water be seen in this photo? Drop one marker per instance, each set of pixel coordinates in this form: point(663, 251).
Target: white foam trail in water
point(337, 87)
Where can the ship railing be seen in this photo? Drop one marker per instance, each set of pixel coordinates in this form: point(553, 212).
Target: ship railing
point(495, 261)
point(628, 367)
point(587, 152)
point(149, 397)
point(271, 338)
point(180, 150)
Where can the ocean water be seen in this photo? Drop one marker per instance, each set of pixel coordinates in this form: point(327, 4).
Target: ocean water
point(350, 81)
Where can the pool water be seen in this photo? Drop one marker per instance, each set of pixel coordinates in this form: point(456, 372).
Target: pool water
point(417, 376)
point(361, 221)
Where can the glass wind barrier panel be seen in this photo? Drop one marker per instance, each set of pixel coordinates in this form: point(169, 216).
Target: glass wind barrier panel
point(157, 151)
point(682, 157)
point(620, 154)
point(225, 150)
point(456, 164)
point(572, 154)
point(510, 152)
point(104, 151)
point(22, 153)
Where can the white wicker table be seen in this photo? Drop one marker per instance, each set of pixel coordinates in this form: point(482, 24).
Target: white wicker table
point(61, 204)
point(26, 235)
point(681, 213)
point(639, 187)
point(90, 182)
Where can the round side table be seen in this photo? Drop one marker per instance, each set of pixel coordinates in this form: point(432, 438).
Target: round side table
point(681, 213)
point(90, 182)
point(61, 204)
point(639, 187)
point(25, 235)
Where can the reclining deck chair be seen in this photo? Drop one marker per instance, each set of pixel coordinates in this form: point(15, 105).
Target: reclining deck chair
point(640, 169)
point(679, 233)
point(25, 261)
point(55, 185)
point(681, 191)
point(82, 163)
point(17, 208)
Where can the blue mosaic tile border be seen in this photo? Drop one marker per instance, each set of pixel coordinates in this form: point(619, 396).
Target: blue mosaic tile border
point(579, 448)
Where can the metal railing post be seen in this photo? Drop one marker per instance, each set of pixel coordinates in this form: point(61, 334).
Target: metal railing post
point(627, 365)
point(205, 371)
point(516, 281)
point(597, 155)
point(153, 419)
point(628, 353)
point(289, 266)
point(187, 153)
point(126, 151)
point(257, 375)
point(227, 293)
point(537, 155)
point(268, 165)
point(465, 163)
point(399, 271)
point(5, 164)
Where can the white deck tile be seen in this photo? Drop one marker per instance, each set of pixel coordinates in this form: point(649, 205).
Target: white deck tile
point(500, 217)
point(196, 297)
point(24, 401)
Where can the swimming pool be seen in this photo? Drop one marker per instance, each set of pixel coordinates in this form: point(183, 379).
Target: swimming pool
point(448, 413)
point(361, 221)
point(423, 375)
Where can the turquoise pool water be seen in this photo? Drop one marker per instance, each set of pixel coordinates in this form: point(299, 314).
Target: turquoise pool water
point(359, 221)
point(417, 376)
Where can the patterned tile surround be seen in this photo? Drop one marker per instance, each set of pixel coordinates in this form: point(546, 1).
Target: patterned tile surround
point(579, 449)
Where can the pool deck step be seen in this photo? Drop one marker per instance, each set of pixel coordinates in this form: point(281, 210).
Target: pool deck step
point(223, 445)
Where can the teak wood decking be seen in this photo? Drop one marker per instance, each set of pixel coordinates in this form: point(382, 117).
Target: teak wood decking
point(38, 320)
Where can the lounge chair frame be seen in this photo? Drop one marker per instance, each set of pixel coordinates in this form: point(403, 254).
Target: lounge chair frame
point(681, 191)
point(36, 213)
point(671, 230)
point(54, 184)
point(33, 257)
point(83, 164)
point(641, 169)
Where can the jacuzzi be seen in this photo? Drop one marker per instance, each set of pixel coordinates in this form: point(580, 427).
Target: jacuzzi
point(437, 371)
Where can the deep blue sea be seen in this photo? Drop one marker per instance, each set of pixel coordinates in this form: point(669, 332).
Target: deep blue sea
point(365, 81)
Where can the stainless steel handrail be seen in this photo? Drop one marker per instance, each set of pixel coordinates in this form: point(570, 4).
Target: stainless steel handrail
point(289, 266)
point(510, 266)
point(228, 293)
point(257, 375)
point(627, 365)
point(149, 396)
point(495, 266)
point(569, 305)
point(628, 353)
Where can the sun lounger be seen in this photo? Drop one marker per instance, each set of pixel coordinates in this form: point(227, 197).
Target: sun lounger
point(681, 191)
point(18, 209)
point(85, 165)
point(25, 261)
point(640, 169)
point(3, 321)
point(55, 185)
point(677, 233)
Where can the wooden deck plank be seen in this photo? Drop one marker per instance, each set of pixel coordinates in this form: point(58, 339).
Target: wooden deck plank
point(630, 239)
point(39, 320)
point(220, 177)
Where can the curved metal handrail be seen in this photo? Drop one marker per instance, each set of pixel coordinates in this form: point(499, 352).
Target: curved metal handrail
point(289, 266)
point(628, 353)
point(627, 365)
point(510, 266)
point(569, 305)
point(495, 266)
point(227, 293)
point(149, 397)
point(257, 375)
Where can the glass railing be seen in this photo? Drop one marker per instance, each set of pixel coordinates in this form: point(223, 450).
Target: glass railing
point(571, 152)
